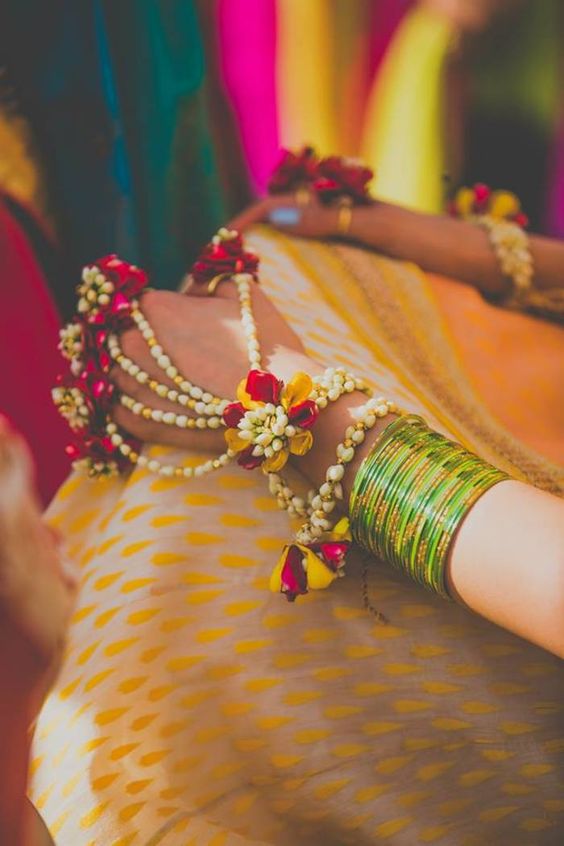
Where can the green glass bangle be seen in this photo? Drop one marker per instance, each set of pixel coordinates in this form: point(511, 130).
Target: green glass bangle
point(410, 496)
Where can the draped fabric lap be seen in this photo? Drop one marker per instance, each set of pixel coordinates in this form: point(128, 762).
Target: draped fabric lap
point(194, 707)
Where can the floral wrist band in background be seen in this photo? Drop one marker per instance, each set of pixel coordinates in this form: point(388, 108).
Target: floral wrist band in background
point(500, 214)
point(410, 496)
point(481, 200)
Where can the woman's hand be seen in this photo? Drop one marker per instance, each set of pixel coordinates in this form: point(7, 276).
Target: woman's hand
point(36, 598)
point(36, 590)
point(203, 336)
point(437, 243)
point(307, 217)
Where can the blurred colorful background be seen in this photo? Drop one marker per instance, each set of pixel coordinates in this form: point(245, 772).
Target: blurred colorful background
point(140, 126)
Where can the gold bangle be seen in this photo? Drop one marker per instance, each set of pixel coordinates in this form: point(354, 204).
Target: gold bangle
point(344, 218)
point(302, 196)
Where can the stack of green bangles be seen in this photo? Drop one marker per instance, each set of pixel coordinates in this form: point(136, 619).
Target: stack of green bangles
point(411, 494)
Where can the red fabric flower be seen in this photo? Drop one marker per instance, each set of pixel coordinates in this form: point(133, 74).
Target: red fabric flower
point(303, 415)
point(94, 355)
point(294, 171)
point(333, 553)
point(339, 178)
point(482, 194)
point(233, 414)
point(293, 576)
point(127, 279)
point(262, 386)
point(224, 258)
point(248, 461)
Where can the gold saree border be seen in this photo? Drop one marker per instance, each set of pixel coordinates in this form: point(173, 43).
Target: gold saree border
point(402, 302)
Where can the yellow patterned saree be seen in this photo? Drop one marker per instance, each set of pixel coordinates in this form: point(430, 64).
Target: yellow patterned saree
point(195, 707)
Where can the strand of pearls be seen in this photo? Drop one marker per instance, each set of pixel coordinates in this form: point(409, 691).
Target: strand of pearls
point(168, 470)
point(243, 281)
point(169, 418)
point(199, 400)
point(164, 362)
point(321, 503)
point(333, 383)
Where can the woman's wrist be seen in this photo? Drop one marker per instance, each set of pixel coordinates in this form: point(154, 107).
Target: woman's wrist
point(329, 431)
point(332, 422)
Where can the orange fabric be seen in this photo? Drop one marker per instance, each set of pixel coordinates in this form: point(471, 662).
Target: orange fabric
point(515, 363)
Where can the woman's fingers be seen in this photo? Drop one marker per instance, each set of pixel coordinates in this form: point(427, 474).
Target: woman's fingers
point(149, 431)
point(256, 213)
point(299, 214)
point(36, 589)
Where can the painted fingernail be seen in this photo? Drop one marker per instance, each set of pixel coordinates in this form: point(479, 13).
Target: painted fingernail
point(284, 216)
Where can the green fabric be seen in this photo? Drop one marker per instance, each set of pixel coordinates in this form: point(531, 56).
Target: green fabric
point(157, 55)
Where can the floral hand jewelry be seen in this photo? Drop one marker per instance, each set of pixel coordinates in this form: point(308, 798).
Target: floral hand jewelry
point(332, 179)
point(269, 421)
point(499, 213)
point(479, 201)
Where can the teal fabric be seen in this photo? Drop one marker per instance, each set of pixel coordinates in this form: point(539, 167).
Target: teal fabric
point(158, 63)
point(116, 94)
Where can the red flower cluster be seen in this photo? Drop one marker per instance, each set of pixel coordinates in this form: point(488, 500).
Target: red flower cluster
point(294, 171)
point(224, 256)
point(106, 308)
point(332, 178)
point(127, 279)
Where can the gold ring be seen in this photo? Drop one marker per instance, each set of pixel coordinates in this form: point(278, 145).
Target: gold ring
point(213, 284)
point(344, 218)
point(302, 196)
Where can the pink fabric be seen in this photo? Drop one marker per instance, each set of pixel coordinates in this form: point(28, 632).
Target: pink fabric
point(29, 360)
point(247, 41)
point(386, 15)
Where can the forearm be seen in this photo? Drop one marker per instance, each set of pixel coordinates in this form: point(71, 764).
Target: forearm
point(451, 247)
point(506, 562)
